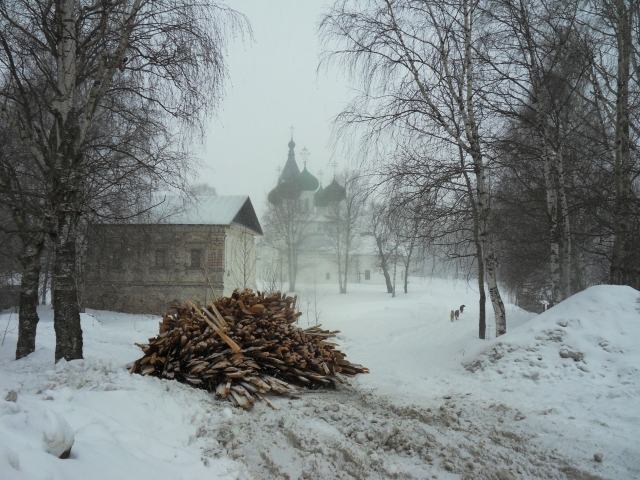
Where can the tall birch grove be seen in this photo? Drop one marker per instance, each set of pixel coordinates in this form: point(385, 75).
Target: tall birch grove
point(419, 72)
point(527, 110)
point(156, 65)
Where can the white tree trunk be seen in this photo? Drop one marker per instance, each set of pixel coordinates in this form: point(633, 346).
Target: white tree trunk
point(566, 228)
point(471, 129)
point(552, 212)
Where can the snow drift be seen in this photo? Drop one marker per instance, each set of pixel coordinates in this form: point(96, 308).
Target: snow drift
point(591, 337)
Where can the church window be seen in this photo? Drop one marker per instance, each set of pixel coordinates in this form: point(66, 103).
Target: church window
point(367, 274)
point(196, 258)
point(161, 258)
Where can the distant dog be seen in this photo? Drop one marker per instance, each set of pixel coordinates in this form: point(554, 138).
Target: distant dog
point(462, 308)
point(452, 315)
point(457, 314)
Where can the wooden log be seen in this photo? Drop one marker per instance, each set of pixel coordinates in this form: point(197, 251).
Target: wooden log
point(204, 349)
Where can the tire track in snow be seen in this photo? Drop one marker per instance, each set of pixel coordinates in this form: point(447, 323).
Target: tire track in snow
point(351, 433)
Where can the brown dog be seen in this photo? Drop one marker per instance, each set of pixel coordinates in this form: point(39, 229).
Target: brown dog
point(451, 315)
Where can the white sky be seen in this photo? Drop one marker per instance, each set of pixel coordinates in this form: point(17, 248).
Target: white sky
point(273, 85)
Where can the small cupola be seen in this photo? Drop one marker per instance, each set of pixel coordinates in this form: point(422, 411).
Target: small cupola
point(334, 192)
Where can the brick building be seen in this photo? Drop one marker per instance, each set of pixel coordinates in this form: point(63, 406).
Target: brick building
point(146, 267)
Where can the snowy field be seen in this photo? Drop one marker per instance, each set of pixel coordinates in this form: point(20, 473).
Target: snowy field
point(539, 402)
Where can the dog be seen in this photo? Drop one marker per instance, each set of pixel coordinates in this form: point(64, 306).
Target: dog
point(457, 314)
point(451, 315)
point(462, 308)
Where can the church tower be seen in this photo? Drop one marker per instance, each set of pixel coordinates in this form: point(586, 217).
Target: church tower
point(294, 184)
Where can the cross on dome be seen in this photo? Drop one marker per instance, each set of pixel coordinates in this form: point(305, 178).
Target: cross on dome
point(305, 156)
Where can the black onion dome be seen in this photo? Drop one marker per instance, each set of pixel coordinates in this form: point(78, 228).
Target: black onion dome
point(289, 189)
point(334, 192)
point(286, 190)
point(318, 198)
point(274, 197)
point(308, 183)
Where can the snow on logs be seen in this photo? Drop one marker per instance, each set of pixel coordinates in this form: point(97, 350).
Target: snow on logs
point(242, 347)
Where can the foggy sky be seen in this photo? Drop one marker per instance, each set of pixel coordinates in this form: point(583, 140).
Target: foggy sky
point(273, 85)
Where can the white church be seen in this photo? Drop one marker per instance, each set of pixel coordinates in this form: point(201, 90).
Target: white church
point(317, 259)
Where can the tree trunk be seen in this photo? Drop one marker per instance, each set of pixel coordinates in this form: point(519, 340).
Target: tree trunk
point(66, 318)
point(28, 316)
point(407, 263)
point(487, 247)
point(45, 281)
point(406, 280)
point(618, 275)
point(395, 268)
point(345, 274)
point(292, 263)
point(482, 320)
point(482, 327)
point(484, 209)
point(566, 229)
point(384, 265)
point(552, 214)
point(579, 280)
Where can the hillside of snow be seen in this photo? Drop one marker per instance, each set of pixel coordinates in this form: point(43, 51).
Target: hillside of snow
point(538, 402)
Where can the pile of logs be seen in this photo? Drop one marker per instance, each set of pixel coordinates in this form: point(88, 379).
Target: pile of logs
point(243, 346)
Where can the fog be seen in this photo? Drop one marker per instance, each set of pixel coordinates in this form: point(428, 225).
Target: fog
point(273, 84)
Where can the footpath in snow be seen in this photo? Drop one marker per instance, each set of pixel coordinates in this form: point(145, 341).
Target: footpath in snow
point(539, 402)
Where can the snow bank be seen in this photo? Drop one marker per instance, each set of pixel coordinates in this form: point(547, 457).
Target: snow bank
point(575, 370)
point(592, 337)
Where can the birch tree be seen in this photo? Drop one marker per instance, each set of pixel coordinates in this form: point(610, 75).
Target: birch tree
point(242, 260)
point(345, 219)
point(419, 70)
point(19, 189)
point(286, 228)
point(380, 229)
point(615, 25)
point(92, 59)
point(542, 59)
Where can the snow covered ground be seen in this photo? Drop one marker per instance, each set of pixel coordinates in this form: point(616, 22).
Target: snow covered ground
point(539, 402)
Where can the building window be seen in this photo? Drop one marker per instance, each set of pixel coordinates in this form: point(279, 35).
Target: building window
point(367, 274)
point(328, 276)
point(161, 258)
point(196, 258)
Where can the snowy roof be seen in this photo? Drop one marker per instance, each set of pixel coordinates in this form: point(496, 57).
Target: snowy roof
point(233, 210)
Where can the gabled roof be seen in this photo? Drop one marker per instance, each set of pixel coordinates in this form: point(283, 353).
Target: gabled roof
point(233, 210)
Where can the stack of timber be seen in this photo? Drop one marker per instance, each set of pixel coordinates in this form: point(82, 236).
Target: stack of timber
point(242, 347)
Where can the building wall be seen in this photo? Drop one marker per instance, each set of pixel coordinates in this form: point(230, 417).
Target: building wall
point(146, 268)
point(319, 267)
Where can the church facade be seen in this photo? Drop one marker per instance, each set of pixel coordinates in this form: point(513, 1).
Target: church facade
point(317, 258)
